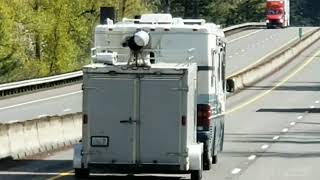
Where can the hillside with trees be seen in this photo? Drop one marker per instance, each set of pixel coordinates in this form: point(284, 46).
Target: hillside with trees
point(40, 38)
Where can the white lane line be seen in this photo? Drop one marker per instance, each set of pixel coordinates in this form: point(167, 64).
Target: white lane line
point(66, 110)
point(236, 171)
point(312, 107)
point(266, 146)
point(292, 123)
point(242, 50)
point(268, 54)
point(233, 40)
point(317, 102)
point(252, 157)
point(299, 117)
point(39, 100)
point(285, 130)
point(43, 115)
point(276, 138)
point(230, 56)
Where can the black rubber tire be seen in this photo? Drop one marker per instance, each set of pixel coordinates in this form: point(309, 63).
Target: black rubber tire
point(206, 157)
point(215, 159)
point(81, 173)
point(196, 175)
point(207, 163)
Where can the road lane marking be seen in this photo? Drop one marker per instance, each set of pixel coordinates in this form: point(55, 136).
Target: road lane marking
point(68, 173)
point(283, 81)
point(312, 107)
point(39, 100)
point(252, 157)
point(285, 130)
point(66, 110)
point(262, 58)
point(275, 137)
point(28, 173)
point(299, 117)
point(292, 123)
point(317, 102)
point(236, 171)
point(266, 146)
point(233, 40)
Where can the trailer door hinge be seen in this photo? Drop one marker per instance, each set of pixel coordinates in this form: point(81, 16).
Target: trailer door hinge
point(177, 154)
point(181, 89)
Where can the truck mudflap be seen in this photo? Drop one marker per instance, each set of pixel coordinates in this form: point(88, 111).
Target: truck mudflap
point(77, 157)
point(195, 156)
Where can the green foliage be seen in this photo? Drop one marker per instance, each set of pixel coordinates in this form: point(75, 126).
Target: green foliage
point(46, 37)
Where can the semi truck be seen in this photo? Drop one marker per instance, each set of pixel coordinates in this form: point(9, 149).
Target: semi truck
point(154, 97)
point(278, 13)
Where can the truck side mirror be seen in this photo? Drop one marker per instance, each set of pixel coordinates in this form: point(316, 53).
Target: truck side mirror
point(230, 85)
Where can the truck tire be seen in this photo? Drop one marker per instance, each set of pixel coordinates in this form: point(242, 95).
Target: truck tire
point(82, 173)
point(214, 148)
point(207, 162)
point(206, 156)
point(215, 159)
point(196, 175)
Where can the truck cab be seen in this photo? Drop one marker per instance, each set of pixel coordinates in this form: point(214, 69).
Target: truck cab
point(277, 14)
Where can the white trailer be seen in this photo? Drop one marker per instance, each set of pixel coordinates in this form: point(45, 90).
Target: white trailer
point(160, 39)
point(139, 120)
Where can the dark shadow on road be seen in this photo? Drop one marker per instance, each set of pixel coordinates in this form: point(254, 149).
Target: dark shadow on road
point(43, 169)
point(274, 154)
point(287, 88)
point(290, 110)
point(29, 165)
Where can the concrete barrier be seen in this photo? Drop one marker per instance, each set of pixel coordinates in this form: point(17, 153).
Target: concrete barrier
point(4, 141)
point(271, 64)
point(21, 139)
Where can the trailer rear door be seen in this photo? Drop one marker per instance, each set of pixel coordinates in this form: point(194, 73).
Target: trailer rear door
point(160, 115)
point(110, 108)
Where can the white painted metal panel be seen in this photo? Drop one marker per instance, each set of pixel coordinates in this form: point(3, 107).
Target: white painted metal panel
point(160, 127)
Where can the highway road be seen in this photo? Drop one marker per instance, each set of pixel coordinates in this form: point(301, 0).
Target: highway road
point(244, 48)
point(272, 133)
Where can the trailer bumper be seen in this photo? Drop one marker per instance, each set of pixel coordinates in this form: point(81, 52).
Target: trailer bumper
point(135, 168)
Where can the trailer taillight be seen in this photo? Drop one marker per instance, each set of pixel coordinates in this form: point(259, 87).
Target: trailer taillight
point(85, 119)
point(204, 116)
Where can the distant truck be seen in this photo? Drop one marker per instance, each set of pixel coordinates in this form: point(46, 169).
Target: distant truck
point(278, 13)
point(141, 110)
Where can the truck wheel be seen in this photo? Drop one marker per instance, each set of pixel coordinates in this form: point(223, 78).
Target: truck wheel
point(196, 175)
point(215, 159)
point(82, 173)
point(207, 162)
point(206, 156)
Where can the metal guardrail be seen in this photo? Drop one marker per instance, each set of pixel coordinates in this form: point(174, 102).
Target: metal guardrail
point(31, 85)
point(237, 28)
point(26, 86)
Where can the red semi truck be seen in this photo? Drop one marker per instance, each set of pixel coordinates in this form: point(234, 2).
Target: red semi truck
point(278, 13)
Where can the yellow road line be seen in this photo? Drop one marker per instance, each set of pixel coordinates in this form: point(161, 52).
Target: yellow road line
point(265, 56)
point(68, 173)
point(311, 59)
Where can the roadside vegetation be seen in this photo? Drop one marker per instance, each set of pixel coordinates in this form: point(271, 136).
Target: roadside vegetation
point(41, 38)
